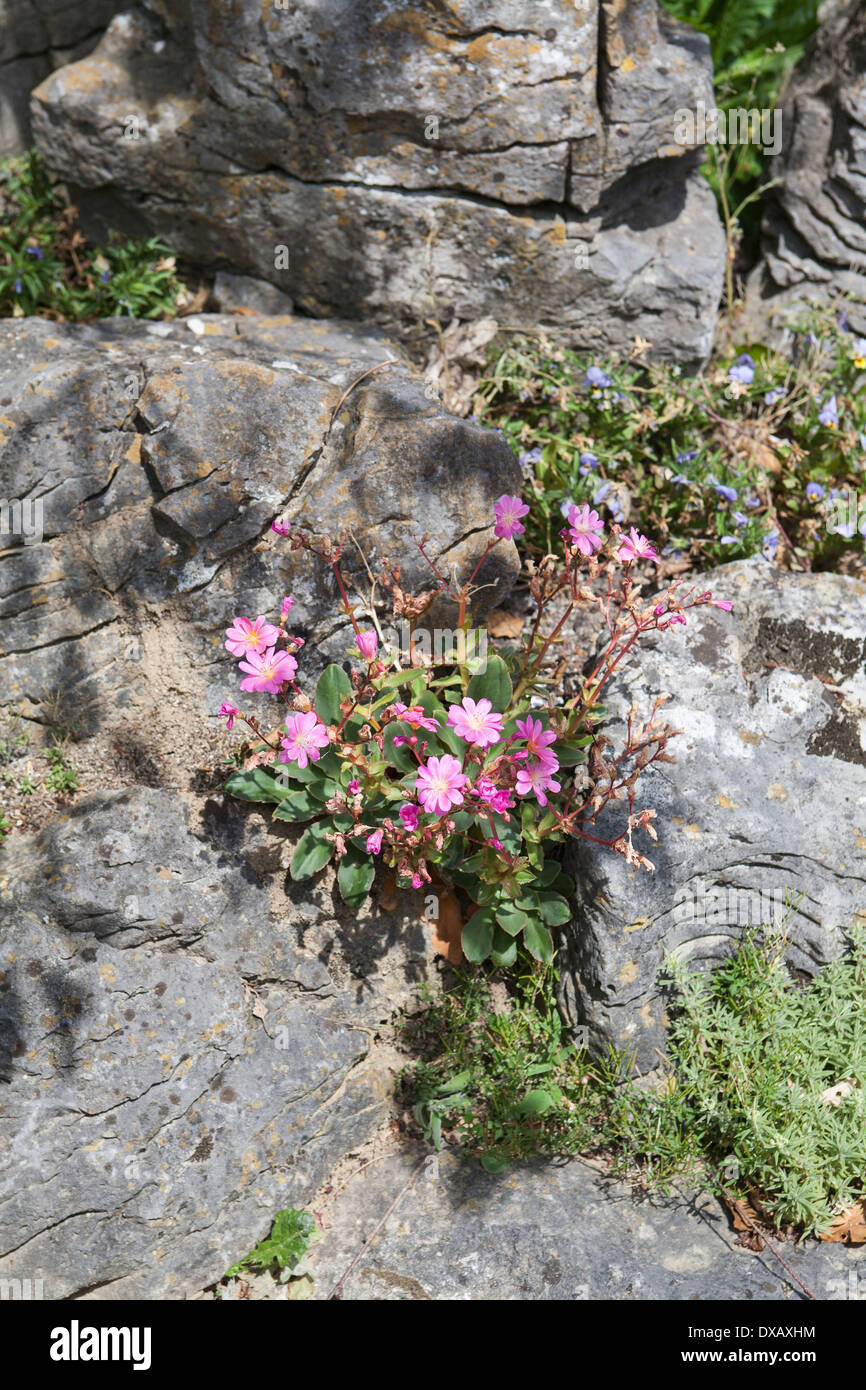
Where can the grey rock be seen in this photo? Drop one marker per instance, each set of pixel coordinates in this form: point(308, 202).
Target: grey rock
point(157, 455)
point(233, 292)
point(34, 40)
point(152, 1121)
point(814, 235)
point(380, 163)
point(546, 1232)
point(761, 817)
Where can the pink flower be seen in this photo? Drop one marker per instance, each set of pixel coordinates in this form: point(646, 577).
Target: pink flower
point(414, 716)
point(725, 603)
point(374, 842)
point(245, 636)
point(439, 784)
point(508, 511)
point(286, 605)
point(475, 722)
point(354, 787)
point(228, 713)
point(268, 670)
point(417, 880)
point(538, 778)
point(307, 736)
point(538, 739)
point(502, 801)
point(486, 789)
point(636, 547)
point(409, 815)
point(586, 529)
point(496, 844)
point(367, 644)
point(282, 528)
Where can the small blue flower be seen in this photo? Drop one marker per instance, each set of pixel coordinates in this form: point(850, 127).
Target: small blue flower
point(814, 491)
point(812, 340)
point(771, 544)
point(566, 505)
point(530, 457)
point(687, 456)
point(588, 462)
point(742, 370)
point(35, 251)
point(775, 394)
point(17, 286)
point(680, 480)
point(829, 414)
point(740, 519)
point(596, 377)
point(843, 323)
point(729, 493)
point(753, 501)
point(600, 494)
point(105, 277)
point(730, 540)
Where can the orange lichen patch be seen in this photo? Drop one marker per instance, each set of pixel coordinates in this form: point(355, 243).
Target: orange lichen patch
point(133, 453)
point(627, 65)
point(557, 233)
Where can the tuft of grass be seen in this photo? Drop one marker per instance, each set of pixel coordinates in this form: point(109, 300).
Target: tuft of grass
point(742, 1105)
point(47, 267)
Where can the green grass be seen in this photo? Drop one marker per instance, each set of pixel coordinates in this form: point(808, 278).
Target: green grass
point(740, 1105)
point(47, 267)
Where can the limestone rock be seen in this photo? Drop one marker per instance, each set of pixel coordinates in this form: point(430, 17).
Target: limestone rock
point(390, 164)
point(763, 811)
point(149, 460)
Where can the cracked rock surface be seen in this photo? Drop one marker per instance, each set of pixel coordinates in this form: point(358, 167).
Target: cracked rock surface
point(764, 807)
point(152, 1122)
point(544, 1233)
point(158, 455)
point(378, 162)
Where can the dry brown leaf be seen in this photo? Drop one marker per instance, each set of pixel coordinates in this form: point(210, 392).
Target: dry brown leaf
point(502, 624)
point(834, 1095)
point(850, 1227)
point(447, 928)
point(388, 896)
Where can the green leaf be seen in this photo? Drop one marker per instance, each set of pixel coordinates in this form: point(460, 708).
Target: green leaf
point(333, 686)
point(355, 876)
point(399, 757)
point(554, 909)
point(478, 935)
point(286, 1246)
point(457, 1083)
point(549, 872)
point(298, 806)
point(493, 684)
point(255, 785)
point(535, 1102)
point(570, 756)
point(312, 852)
point(538, 940)
point(504, 950)
point(511, 919)
point(493, 1163)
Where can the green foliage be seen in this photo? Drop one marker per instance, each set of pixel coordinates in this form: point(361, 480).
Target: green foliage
point(62, 777)
point(285, 1247)
point(497, 1076)
point(47, 267)
point(754, 44)
point(739, 1107)
point(660, 445)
